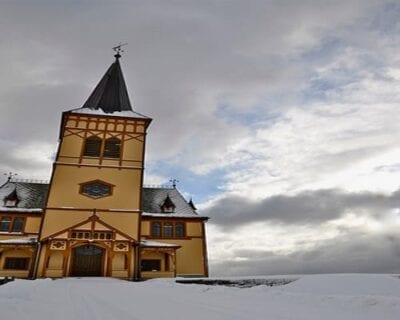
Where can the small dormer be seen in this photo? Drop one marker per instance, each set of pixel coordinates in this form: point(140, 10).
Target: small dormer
point(11, 200)
point(168, 206)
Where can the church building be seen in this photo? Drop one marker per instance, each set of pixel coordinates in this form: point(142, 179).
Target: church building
point(95, 217)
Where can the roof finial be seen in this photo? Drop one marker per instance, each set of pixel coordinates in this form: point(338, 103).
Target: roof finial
point(118, 50)
point(174, 182)
point(10, 175)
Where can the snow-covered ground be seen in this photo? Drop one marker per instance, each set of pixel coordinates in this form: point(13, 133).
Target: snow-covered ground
point(341, 297)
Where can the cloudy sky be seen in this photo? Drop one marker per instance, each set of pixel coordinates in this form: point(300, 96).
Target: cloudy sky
point(280, 118)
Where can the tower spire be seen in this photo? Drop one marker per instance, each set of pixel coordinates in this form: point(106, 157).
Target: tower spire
point(111, 94)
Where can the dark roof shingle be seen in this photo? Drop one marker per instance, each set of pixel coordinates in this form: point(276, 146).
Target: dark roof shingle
point(110, 94)
point(33, 196)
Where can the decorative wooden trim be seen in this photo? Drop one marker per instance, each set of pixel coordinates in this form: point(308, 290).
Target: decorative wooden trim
point(91, 210)
point(91, 218)
point(164, 238)
point(103, 116)
point(121, 150)
point(46, 258)
point(85, 136)
point(99, 166)
point(104, 138)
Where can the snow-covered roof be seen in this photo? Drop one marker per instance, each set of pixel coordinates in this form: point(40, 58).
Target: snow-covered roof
point(30, 195)
point(100, 112)
point(153, 244)
point(11, 209)
point(172, 215)
point(25, 240)
point(153, 199)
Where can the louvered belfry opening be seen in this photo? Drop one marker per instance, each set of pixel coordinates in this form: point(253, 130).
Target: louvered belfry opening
point(112, 148)
point(92, 147)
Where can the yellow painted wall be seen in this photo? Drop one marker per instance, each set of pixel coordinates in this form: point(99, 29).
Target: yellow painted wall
point(55, 265)
point(57, 220)
point(127, 222)
point(190, 257)
point(15, 253)
point(67, 178)
point(32, 224)
point(64, 191)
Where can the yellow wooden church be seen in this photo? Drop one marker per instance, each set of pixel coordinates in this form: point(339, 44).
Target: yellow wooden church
point(95, 217)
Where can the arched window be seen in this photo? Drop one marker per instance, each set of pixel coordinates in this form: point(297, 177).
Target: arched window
point(92, 147)
point(112, 148)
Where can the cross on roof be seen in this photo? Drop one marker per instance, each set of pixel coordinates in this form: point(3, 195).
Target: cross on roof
point(118, 50)
point(174, 182)
point(10, 175)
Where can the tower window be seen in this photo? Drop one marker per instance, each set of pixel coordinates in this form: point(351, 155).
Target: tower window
point(112, 148)
point(92, 147)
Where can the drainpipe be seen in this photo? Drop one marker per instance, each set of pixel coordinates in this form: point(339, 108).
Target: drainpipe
point(136, 276)
point(36, 261)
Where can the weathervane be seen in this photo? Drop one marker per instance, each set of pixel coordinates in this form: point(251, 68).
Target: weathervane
point(118, 49)
point(174, 182)
point(10, 175)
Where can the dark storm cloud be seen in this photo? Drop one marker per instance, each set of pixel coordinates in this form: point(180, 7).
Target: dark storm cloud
point(303, 208)
point(348, 253)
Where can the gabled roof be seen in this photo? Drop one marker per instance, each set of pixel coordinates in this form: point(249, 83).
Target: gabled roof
point(110, 94)
point(154, 198)
point(29, 195)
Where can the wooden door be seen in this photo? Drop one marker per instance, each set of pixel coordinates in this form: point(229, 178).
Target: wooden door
point(87, 261)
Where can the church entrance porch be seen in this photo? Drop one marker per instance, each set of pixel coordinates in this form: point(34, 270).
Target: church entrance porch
point(87, 261)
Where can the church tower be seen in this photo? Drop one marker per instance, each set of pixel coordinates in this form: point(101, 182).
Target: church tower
point(92, 217)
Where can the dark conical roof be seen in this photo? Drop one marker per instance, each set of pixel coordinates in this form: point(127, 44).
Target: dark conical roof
point(110, 94)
